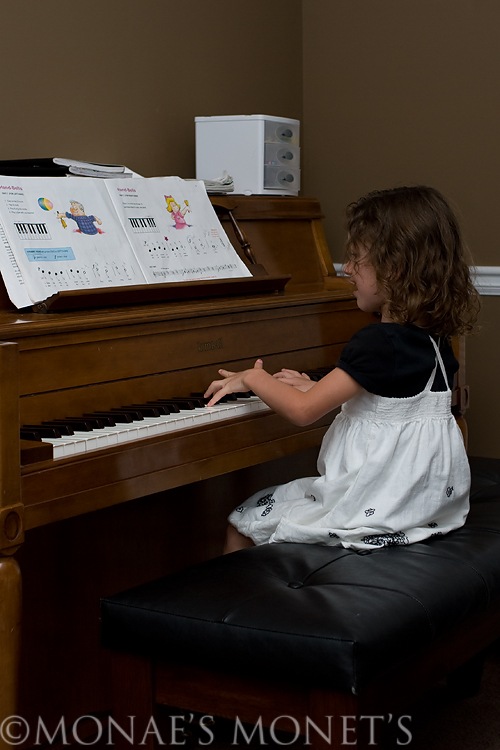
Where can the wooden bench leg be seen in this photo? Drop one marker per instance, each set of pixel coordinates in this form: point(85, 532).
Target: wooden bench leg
point(332, 721)
point(341, 720)
point(132, 716)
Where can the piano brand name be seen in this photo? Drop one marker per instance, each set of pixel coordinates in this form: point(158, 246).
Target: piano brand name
point(209, 346)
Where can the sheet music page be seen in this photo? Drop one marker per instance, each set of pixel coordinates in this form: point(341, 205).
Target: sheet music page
point(61, 233)
point(69, 233)
point(174, 230)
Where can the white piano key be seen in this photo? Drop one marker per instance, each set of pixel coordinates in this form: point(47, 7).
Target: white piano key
point(62, 447)
point(92, 440)
point(124, 432)
point(168, 422)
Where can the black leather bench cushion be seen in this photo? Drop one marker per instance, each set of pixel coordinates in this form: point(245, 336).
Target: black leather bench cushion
point(485, 475)
point(325, 615)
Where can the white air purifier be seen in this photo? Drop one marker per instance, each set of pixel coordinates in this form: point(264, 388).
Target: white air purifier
point(260, 152)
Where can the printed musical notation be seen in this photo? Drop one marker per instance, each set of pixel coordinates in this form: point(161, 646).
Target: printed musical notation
point(84, 276)
point(74, 233)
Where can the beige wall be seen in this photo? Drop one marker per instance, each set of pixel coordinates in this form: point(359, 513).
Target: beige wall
point(122, 80)
point(388, 92)
point(402, 92)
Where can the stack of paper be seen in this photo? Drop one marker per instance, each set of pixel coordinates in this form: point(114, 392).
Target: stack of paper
point(56, 166)
point(220, 185)
point(93, 169)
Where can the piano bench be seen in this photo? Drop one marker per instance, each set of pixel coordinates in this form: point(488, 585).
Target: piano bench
point(322, 640)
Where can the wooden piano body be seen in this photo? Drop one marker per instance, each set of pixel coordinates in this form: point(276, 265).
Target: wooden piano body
point(81, 526)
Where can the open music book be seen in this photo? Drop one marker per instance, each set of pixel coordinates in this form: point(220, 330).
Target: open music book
point(81, 233)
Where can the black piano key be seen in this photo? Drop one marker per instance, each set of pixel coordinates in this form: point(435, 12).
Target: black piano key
point(196, 400)
point(199, 395)
point(118, 414)
point(226, 398)
point(121, 417)
point(168, 408)
point(43, 430)
point(63, 428)
point(147, 410)
point(93, 423)
point(74, 423)
point(27, 434)
point(83, 424)
point(162, 408)
point(135, 415)
point(187, 402)
point(104, 419)
point(318, 373)
point(184, 404)
point(201, 400)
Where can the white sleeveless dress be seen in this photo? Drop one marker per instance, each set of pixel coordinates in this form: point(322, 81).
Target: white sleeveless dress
point(391, 471)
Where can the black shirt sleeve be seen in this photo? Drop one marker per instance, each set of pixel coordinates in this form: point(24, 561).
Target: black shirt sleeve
point(368, 358)
point(396, 361)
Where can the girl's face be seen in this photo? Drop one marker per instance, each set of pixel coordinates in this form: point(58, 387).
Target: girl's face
point(362, 274)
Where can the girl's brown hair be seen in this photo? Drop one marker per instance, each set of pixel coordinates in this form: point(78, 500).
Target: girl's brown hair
point(414, 243)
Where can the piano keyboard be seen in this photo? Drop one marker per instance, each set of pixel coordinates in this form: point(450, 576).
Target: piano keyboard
point(77, 435)
point(143, 224)
point(28, 231)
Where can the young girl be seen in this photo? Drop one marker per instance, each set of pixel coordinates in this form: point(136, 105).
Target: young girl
point(392, 466)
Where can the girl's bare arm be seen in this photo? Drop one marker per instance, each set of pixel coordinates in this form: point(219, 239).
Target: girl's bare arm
point(299, 407)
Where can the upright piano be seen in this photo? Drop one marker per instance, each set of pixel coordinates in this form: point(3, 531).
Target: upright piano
point(76, 524)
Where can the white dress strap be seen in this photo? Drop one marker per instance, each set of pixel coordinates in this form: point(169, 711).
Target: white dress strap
point(439, 360)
